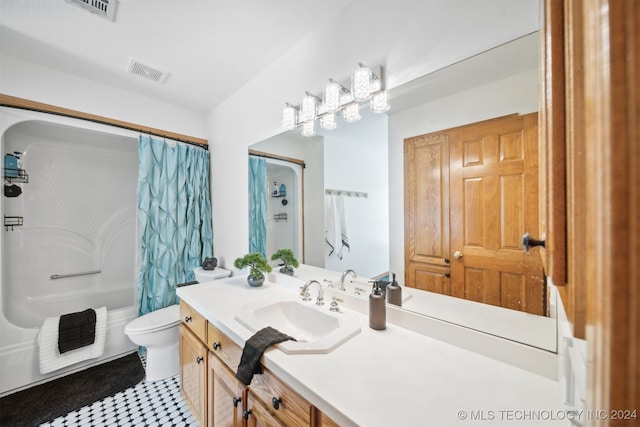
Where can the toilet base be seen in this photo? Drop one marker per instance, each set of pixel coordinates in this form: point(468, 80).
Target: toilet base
point(163, 363)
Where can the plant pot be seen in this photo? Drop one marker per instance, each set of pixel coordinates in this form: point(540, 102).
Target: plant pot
point(255, 281)
point(287, 269)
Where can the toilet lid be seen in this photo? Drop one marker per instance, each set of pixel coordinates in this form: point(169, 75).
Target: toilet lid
point(156, 320)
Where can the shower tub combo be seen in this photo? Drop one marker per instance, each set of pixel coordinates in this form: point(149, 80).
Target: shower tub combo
point(69, 236)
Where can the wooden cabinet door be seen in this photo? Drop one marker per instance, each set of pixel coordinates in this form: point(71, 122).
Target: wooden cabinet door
point(258, 416)
point(226, 396)
point(193, 374)
point(494, 200)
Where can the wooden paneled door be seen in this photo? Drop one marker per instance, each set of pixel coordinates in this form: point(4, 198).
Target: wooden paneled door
point(494, 200)
point(426, 185)
point(469, 198)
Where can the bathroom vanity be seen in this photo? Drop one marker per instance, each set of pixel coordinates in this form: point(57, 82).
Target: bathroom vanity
point(400, 376)
point(208, 362)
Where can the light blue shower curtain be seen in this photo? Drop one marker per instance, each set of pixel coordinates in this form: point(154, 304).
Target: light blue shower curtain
point(174, 213)
point(257, 205)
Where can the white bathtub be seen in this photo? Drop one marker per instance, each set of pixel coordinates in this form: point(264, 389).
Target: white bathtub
point(79, 211)
point(19, 363)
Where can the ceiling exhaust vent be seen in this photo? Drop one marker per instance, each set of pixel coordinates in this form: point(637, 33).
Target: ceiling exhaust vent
point(103, 8)
point(150, 73)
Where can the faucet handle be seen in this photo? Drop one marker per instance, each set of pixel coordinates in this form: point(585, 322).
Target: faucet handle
point(305, 294)
point(334, 304)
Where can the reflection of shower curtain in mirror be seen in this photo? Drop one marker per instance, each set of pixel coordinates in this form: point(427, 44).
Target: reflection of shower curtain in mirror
point(174, 213)
point(257, 205)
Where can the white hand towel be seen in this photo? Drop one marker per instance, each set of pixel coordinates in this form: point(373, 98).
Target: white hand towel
point(332, 224)
point(342, 220)
point(336, 234)
point(50, 357)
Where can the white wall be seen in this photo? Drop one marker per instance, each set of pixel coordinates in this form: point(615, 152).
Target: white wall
point(392, 35)
point(492, 100)
point(36, 83)
point(355, 157)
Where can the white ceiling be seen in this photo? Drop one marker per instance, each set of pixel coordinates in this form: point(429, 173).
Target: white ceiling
point(210, 48)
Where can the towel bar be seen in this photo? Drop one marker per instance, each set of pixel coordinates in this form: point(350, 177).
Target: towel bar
point(85, 273)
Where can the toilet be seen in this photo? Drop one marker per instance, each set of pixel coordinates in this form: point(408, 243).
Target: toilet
point(158, 331)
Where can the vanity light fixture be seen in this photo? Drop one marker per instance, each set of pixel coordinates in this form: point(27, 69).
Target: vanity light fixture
point(365, 86)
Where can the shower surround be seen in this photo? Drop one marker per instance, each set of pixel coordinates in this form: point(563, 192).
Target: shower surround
point(77, 246)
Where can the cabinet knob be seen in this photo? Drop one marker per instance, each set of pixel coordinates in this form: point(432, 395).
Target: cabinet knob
point(199, 360)
point(529, 242)
point(187, 319)
point(275, 402)
point(246, 413)
point(447, 274)
point(236, 400)
point(216, 345)
point(446, 260)
point(457, 255)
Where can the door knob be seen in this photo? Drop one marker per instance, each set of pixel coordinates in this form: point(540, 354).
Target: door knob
point(457, 254)
point(529, 242)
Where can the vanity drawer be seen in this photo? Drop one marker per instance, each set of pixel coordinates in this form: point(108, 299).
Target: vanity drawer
point(194, 321)
point(221, 345)
point(281, 401)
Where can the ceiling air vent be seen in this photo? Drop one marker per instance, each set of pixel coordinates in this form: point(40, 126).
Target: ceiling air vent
point(148, 72)
point(103, 8)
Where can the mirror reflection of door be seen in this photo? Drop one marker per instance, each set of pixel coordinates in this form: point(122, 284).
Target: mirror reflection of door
point(470, 194)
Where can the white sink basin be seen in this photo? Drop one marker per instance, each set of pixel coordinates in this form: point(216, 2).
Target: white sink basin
point(316, 329)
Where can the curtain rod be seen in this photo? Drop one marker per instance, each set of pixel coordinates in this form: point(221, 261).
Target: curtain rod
point(24, 104)
point(276, 157)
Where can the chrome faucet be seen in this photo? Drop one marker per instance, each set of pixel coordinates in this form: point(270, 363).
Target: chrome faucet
point(344, 276)
point(304, 293)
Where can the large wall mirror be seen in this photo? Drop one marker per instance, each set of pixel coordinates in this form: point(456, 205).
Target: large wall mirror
point(363, 162)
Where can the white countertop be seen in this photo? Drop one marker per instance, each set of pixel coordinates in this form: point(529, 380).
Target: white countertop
point(396, 377)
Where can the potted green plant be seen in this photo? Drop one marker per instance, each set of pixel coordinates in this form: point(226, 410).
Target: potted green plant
point(257, 267)
point(289, 260)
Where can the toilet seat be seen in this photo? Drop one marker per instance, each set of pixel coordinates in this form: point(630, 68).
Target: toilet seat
point(158, 320)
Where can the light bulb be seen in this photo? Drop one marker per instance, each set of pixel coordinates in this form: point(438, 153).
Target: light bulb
point(351, 113)
point(309, 128)
point(328, 121)
point(361, 83)
point(332, 97)
point(308, 110)
point(289, 114)
point(380, 102)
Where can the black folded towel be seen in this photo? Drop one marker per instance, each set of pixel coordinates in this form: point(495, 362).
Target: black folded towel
point(76, 330)
point(253, 349)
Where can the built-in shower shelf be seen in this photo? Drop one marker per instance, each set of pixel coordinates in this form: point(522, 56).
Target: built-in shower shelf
point(280, 217)
point(16, 175)
point(12, 221)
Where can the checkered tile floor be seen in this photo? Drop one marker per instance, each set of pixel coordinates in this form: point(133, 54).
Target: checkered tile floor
point(157, 403)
